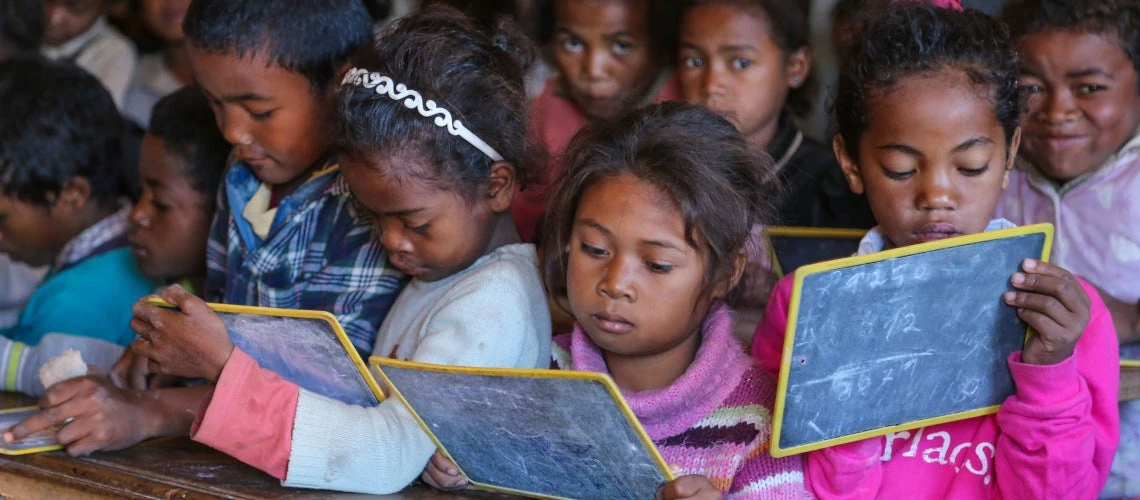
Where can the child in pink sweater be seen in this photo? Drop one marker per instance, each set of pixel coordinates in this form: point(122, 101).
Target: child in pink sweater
point(928, 110)
point(645, 251)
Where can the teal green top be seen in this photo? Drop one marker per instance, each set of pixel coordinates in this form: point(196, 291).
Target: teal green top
point(91, 298)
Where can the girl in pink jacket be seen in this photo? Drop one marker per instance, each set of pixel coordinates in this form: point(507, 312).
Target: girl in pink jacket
point(928, 111)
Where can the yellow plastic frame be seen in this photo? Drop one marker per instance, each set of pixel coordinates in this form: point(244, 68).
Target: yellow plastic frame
point(5, 450)
point(793, 312)
point(1130, 363)
point(325, 316)
point(805, 232)
point(378, 363)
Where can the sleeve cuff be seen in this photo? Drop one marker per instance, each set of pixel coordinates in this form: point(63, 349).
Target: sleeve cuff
point(210, 424)
point(1042, 385)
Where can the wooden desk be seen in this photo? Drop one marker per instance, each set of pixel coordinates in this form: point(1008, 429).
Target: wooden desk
point(158, 469)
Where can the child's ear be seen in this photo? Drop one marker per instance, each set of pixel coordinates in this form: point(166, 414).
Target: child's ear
point(847, 163)
point(739, 264)
point(74, 195)
point(501, 186)
point(798, 67)
point(1011, 160)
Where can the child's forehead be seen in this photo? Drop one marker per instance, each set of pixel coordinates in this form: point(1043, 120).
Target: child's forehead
point(1073, 47)
point(725, 22)
point(232, 73)
point(605, 15)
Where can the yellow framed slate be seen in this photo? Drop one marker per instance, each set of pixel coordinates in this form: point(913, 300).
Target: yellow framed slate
point(805, 232)
point(18, 414)
point(378, 364)
point(793, 312)
point(1130, 363)
point(323, 316)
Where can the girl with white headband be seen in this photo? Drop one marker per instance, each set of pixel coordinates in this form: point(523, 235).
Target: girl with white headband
point(431, 135)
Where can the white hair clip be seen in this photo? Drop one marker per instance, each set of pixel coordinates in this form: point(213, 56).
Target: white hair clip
point(413, 100)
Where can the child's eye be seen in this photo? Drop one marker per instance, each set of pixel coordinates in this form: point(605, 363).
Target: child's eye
point(741, 63)
point(1031, 89)
point(898, 176)
point(572, 45)
point(1090, 88)
point(622, 48)
point(974, 172)
point(160, 206)
point(693, 62)
point(593, 251)
point(658, 268)
point(261, 116)
point(418, 229)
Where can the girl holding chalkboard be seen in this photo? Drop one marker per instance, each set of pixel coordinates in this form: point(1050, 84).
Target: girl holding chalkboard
point(646, 238)
point(928, 111)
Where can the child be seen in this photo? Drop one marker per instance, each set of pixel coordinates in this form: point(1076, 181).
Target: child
point(439, 190)
point(1079, 69)
point(928, 111)
point(183, 158)
point(749, 61)
point(77, 31)
point(611, 56)
point(60, 205)
point(286, 232)
point(21, 27)
point(163, 72)
point(646, 238)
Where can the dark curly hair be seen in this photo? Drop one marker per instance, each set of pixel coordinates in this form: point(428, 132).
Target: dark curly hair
point(915, 39)
point(476, 74)
point(718, 182)
point(58, 123)
point(1119, 19)
point(310, 37)
point(790, 30)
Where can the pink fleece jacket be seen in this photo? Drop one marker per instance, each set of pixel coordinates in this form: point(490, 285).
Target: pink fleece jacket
point(1054, 438)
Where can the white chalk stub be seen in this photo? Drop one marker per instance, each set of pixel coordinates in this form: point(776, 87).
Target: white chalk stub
point(63, 367)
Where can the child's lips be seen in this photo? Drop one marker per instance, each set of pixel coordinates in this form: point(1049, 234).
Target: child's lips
point(612, 323)
point(1060, 143)
point(936, 231)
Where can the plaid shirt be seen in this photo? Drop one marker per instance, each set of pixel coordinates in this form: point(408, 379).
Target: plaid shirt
point(320, 254)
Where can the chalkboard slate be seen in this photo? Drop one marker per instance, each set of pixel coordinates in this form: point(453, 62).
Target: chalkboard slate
point(794, 247)
point(536, 432)
point(308, 348)
point(36, 443)
point(901, 339)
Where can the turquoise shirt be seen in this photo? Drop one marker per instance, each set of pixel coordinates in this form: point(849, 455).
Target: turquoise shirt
point(91, 298)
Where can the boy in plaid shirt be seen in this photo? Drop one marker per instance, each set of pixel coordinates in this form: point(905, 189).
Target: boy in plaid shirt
point(286, 233)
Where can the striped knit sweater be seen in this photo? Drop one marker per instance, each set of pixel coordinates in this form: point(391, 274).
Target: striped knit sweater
point(715, 420)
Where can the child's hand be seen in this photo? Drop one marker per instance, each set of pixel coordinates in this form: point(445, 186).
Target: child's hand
point(105, 417)
point(442, 474)
point(1055, 305)
point(132, 371)
point(190, 342)
point(696, 487)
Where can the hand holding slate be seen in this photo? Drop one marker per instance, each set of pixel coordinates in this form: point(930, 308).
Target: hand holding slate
point(1055, 305)
point(442, 474)
point(190, 341)
point(689, 487)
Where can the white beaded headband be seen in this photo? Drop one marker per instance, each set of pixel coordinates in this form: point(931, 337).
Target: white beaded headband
point(413, 100)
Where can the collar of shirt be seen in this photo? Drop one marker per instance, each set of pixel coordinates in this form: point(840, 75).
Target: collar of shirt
point(84, 244)
point(72, 47)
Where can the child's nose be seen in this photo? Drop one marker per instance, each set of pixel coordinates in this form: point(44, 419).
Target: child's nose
point(937, 192)
point(617, 282)
point(394, 240)
point(235, 130)
point(596, 63)
point(1058, 106)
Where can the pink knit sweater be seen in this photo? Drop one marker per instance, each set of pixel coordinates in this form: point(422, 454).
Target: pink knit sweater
point(714, 421)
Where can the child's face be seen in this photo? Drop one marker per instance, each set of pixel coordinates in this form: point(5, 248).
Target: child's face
point(634, 283)
point(171, 221)
point(35, 234)
point(1084, 101)
point(67, 19)
point(268, 113)
point(730, 64)
point(603, 52)
point(164, 18)
point(430, 233)
point(932, 160)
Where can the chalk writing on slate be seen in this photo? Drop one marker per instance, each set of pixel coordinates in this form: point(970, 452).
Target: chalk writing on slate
point(305, 351)
point(794, 247)
point(557, 437)
point(903, 340)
